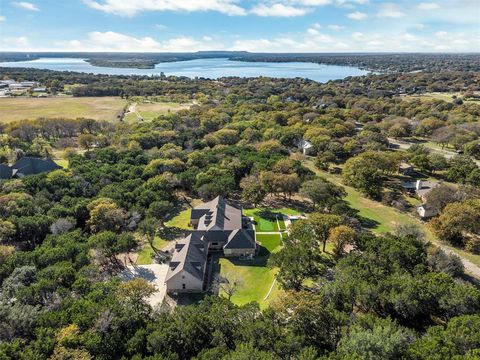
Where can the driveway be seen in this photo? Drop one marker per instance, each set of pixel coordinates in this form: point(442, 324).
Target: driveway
point(154, 274)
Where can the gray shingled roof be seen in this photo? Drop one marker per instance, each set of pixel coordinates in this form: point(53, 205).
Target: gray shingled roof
point(5, 171)
point(190, 255)
point(217, 215)
point(426, 187)
point(32, 165)
point(241, 239)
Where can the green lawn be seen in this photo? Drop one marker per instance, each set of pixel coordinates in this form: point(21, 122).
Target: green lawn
point(172, 227)
point(384, 218)
point(181, 220)
point(255, 281)
point(271, 242)
point(378, 217)
point(146, 253)
point(266, 219)
point(62, 162)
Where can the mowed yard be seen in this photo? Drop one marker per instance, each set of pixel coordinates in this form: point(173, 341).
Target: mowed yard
point(255, 278)
point(98, 108)
point(149, 111)
point(382, 219)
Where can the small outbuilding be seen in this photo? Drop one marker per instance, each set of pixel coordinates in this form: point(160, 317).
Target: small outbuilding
point(405, 168)
point(425, 211)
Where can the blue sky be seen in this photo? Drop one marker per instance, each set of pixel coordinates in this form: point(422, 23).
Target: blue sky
point(252, 25)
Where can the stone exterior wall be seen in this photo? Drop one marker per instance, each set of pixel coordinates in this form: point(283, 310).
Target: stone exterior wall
point(192, 284)
point(238, 252)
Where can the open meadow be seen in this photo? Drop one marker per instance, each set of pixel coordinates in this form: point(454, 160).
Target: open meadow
point(147, 111)
point(98, 108)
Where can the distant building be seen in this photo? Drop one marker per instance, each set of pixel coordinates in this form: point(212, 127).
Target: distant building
point(422, 188)
point(40, 89)
point(28, 84)
point(16, 86)
point(405, 168)
point(5, 171)
point(306, 147)
point(7, 82)
point(425, 211)
point(31, 166)
point(218, 226)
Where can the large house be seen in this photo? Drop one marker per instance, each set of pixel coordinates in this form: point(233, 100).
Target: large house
point(218, 226)
point(27, 166)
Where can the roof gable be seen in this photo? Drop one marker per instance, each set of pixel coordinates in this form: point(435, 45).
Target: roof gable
point(217, 215)
point(6, 171)
point(31, 165)
point(241, 239)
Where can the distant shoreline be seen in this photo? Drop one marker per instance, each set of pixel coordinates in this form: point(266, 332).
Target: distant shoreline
point(374, 62)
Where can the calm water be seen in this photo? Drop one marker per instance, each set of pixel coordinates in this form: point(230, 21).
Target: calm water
point(208, 68)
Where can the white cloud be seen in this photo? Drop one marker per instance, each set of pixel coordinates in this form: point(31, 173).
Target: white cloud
point(408, 37)
point(113, 41)
point(335, 27)
point(26, 5)
point(351, 3)
point(358, 36)
point(317, 25)
point(160, 26)
point(15, 42)
point(310, 2)
point(441, 34)
point(357, 15)
point(2, 18)
point(427, 6)
point(131, 8)
point(389, 10)
point(277, 10)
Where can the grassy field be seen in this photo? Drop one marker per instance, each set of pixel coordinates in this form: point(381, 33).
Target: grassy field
point(98, 108)
point(266, 219)
point(255, 280)
point(381, 218)
point(271, 242)
point(448, 97)
point(146, 253)
point(149, 111)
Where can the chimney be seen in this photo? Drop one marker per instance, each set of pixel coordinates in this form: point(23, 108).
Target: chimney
point(418, 185)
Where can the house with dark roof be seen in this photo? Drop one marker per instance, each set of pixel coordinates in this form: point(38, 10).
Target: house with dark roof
point(405, 168)
point(31, 166)
point(6, 171)
point(217, 226)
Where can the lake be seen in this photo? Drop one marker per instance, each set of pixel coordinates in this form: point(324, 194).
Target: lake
point(207, 68)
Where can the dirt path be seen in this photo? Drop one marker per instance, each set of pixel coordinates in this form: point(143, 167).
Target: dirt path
point(133, 109)
point(404, 145)
point(470, 268)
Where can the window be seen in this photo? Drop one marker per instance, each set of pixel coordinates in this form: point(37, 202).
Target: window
point(183, 286)
point(183, 276)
